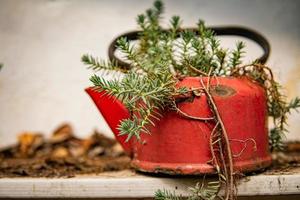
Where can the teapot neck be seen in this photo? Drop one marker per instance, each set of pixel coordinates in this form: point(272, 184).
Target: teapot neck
point(113, 112)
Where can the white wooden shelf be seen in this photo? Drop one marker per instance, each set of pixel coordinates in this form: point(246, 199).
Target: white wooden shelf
point(128, 184)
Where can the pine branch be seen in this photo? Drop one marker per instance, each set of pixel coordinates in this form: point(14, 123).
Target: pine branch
point(175, 23)
point(111, 87)
point(237, 54)
point(293, 105)
point(156, 48)
point(276, 138)
point(125, 47)
point(166, 195)
point(279, 111)
point(205, 192)
point(98, 64)
point(221, 56)
point(154, 13)
point(138, 123)
point(141, 21)
point(201, 191)
point(141, 95)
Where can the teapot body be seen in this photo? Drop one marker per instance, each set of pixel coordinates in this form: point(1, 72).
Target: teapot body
point(180, 145)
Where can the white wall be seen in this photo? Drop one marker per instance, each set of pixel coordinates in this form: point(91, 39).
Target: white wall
point(41, 42)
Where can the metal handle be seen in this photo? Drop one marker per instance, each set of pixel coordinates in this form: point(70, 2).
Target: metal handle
point(226, 30)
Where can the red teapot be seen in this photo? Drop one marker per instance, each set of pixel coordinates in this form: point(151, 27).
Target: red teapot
point(178, 145)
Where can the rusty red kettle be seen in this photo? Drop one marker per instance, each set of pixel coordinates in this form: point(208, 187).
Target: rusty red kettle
point(178, 145)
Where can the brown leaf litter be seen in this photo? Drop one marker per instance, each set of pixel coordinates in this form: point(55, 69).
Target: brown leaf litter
point(61, 155)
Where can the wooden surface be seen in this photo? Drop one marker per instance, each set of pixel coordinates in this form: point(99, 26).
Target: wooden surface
point(128, 184)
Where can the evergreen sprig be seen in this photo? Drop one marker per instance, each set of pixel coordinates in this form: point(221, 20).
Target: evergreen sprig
point(142, 95)
point(279, 110)
point(97, 64)
point(293, 105)
point(166, 195)
point(207, 191)
point(237, 54)
point(201, 191)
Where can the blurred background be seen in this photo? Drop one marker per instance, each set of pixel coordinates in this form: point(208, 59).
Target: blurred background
point(41, 42)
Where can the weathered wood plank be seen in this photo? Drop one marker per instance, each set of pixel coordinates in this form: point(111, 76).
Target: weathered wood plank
point(128, 184)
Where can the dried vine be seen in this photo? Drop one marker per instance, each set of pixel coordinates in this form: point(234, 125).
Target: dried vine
point(227, 166)
point(278, 108)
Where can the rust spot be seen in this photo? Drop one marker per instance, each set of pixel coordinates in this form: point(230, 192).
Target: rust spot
point(222, 91)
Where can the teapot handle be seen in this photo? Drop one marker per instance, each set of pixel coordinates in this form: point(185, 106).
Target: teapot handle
point(226, 30)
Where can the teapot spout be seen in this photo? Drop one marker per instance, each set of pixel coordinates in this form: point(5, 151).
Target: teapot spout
point(113, 112)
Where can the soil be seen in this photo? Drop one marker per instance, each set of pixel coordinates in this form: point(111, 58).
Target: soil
point(64, 155)
point(61, 155)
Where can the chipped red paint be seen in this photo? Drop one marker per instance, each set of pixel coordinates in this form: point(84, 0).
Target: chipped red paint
point(178, 145)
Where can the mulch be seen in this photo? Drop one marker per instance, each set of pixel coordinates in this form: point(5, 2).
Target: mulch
point(61, 155)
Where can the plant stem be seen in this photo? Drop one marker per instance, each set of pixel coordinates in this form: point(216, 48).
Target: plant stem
point(197, 70)
point(192, 117)
point(229, 189)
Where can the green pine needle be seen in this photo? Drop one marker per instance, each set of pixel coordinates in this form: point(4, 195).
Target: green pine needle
point(175, 23)
point(141, 95)
point(237, 54)
point(166, 195)
point(204, 191)
point(98, 64)
point(293, 105)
